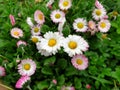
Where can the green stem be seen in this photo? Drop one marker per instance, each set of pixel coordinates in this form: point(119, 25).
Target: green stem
point(3, 57)
point(115, 84)
point(29, 87)
point(6, 87)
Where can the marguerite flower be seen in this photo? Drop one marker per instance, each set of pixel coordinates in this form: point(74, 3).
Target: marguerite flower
point(16, 33)
point(35, 30)
point(22, 81)
point(27, 67)
point(2, 71)
point(65, 4)
point(80, 62)
point(51, 42)
point(74, 44)
point(99, 13)
point(80, 25)
point(35, 39)
point(104, 25)
point(57, 16)
point(39, 17)
point(20, 42)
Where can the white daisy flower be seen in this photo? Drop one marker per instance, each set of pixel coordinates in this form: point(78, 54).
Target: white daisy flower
point(39, 17)
point(74, 44)
point(80, 25)
point(35, 39)
point(57, 16)
point(35, 30)
point(29, 22)
point(51, 42)
point(104, 25)
point(99, 13)
point(27, 67)
point(65, 4)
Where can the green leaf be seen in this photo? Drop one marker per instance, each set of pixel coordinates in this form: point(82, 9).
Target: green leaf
point(3, 43)
point(66, 31)
point(62, 63)
point(45, 28)
point(50, 60)
point(47, 71)
point(118, 30)
point(71, 71)
point(42, 85)
point(61, 80)
point(78, 83)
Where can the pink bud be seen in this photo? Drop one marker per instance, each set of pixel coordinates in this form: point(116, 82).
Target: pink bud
point(50, 7)
point(12, 19)
point(98, 4)
point(88, 86)
point(2, 71)
point(105, 17)
point(54, 81)
point(91, 24)
point(20, 42)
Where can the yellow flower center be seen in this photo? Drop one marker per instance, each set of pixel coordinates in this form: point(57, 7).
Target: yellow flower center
point(102, 24)
point(36, 29)
point(79, 61)
point(16, 33)
point(80, 25)
point(57, 16)
point(40, 16)
point(65, 3)
point(34, 39)
point(98, 12)
point(52, 42)
point(72, 45)
point(27, 66)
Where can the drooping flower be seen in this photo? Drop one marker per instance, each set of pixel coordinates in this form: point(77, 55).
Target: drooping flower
point(22, 81)
point(39, 17)
point(35, 30)
point(98, 4)
point(80, 62)
point(29, 22)
point(20, 42)
point(74, 44)
point(35, 39)
point(27, 67)
point(80, 25)
point(51, 42)
point(99, 14)
point(57, 16)
point(65, 4)
point(12, 19)
point(104, 25)
point(16, 33)
point(67, 88)
point(2, 71)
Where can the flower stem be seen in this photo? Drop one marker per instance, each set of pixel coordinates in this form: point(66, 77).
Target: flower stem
point(6, 86)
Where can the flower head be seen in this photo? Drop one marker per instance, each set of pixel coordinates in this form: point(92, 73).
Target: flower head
point(39, 17)
point(74, 44)
point(27, 67)
point(54, 81)
point(57, 16)
point(29, 22)
point(35, 39)
point(20, 42)
point(98, 4)
point(80, 25)
point(35, 30)
point(65, 4)
point(2, 71)
point(67, 88)
point(88, 86)
point(80, 62)
point(16, 33)
point(22, 81)
point(12, 19)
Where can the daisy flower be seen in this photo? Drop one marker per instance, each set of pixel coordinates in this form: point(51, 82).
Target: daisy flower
point(22, 81)
point(16, 33)
point(29, 22)
point(27, 67)
point(65, 4)
point(57, 16)
point(99, 13)
point(20, 42)
point(98, 4)
point(104, 25)
point(80, 62)
point(74, 44)
point(35, 39)
point(51, 42)
point(35, 30)
point(67, 88)
point(80, 25)
point(2, 71)
point(39, 17)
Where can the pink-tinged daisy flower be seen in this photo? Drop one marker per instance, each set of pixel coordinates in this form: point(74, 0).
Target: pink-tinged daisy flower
point(39, 17)
point(99, 14)
point(104, 25)
point(35, 30)
point(65, 4)
point(98, 4)
point(22, 81)
point(74, 44)
point(20, 42)
point(57, 16)
point(12, 19)
point(16, 33)
point(67, 88)
point(29, 22)
point(80, 25)
point(80, 62)
point(2, 71)
point(27, 67)
point(49, 4)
